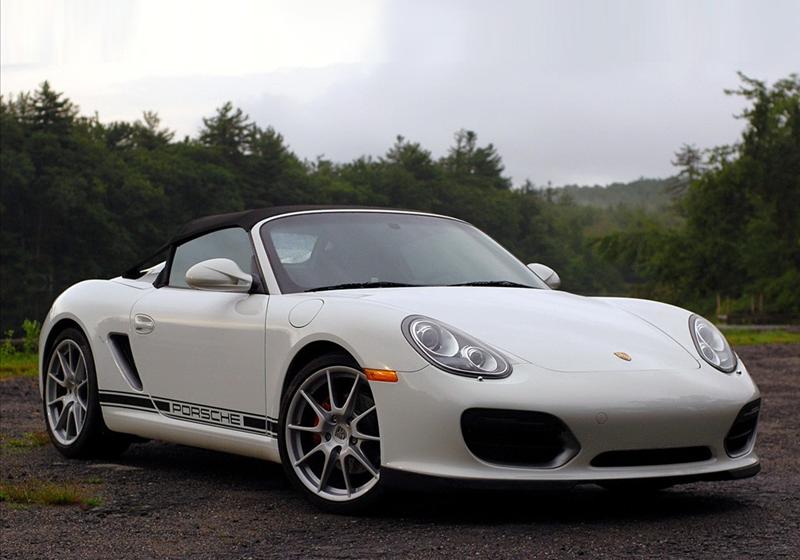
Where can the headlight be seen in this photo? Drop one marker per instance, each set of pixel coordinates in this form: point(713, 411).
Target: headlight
point(711, 344)
point(452, 350)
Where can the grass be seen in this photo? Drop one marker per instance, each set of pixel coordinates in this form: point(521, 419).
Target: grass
point(28, 440)
point(38, 492)
point(18, 364)
point(744, 337)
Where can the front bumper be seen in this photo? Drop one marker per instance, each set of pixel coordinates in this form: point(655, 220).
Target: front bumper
point(420, 423)
point(405, 480)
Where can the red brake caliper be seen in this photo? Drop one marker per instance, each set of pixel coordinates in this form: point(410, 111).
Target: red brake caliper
point(318, 438)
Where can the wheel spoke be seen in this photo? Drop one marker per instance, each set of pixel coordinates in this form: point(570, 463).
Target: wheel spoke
point(56, 400)
point(330, 390)
point(78, 412)
point(57, 380)
point(321, 413)
point(64, 367)
point(345, 474)
point(359, 456)
point(80, 370)
point(366, 437)
point(317, 448)
point(363, 415)
point(84, 405)
point(351, 398)
point(327, 468)
point(61, 423)
point(312, 429)
point(356, 432)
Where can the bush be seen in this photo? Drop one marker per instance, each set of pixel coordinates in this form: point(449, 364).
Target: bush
point(30, 344)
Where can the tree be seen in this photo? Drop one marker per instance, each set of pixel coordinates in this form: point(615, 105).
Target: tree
point(690, 162)
point(229, 130)
point(466, 161)
point(51, 112)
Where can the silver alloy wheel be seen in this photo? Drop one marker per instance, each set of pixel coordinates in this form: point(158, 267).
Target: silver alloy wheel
point(331, 434)
point(67, 392)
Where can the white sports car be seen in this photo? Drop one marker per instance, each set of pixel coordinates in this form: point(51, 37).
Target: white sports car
point(371, 348)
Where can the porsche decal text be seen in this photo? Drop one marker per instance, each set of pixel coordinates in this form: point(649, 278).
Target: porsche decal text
point(207, 414)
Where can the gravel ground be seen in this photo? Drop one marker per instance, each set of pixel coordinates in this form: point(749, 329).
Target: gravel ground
point(168, 501)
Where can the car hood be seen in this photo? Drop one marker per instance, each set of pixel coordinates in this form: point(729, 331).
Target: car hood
point(551, 329)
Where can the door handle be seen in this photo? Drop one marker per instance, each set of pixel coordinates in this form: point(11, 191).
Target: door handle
point(143, 324)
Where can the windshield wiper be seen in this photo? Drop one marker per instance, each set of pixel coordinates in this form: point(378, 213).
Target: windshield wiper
point(356, 285)
point(495, 283)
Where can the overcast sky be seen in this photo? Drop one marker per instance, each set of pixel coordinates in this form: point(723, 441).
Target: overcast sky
point(569, 92)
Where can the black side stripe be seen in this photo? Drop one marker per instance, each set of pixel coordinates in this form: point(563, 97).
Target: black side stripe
point(217, 425)
point(130, 399)
point(250, 423)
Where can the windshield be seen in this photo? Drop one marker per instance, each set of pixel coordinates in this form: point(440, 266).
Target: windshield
point(382, 249)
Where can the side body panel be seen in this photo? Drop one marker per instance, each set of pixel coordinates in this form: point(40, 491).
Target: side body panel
point(205, 348)
point(104, 307)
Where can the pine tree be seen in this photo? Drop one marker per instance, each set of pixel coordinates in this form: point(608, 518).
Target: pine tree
point(230, 131)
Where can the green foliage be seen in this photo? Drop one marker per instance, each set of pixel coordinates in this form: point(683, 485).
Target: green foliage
point(82, 199)
point(28, 440)
point(738, 248)
point(742, 337)
point(646, 194)
point(18, 364)
point(7, 349)
point(39, 492)
point(30, 343)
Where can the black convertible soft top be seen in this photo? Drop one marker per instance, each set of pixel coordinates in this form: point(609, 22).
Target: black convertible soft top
point(245, 219)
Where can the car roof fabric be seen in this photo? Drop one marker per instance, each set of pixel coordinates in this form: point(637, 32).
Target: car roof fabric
point(245, 219)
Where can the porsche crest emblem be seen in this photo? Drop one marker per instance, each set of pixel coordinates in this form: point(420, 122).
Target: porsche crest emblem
point(623, 356)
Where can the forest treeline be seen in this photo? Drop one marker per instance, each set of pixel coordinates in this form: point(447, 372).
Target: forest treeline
point(82, 198)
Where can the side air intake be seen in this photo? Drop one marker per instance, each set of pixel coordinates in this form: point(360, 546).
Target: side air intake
point(123, 356)
point(743, 432)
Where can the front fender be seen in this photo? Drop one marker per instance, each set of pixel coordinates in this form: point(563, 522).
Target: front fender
point(370, 332)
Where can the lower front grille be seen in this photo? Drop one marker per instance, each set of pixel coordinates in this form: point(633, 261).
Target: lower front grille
point(650, 457)
point(741, 435)
point(517, 437)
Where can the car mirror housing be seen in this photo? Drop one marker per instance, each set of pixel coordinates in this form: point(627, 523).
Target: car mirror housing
point(219, 275)
point(547, 274)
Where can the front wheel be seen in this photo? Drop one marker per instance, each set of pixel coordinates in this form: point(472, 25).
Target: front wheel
point(71, 405)
point(329, 436)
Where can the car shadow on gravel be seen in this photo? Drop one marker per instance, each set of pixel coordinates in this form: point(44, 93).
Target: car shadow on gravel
point(190, 464)
point(584, 504)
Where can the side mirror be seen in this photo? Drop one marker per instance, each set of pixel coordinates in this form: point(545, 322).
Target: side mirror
point(547, 274)
point(219, 275)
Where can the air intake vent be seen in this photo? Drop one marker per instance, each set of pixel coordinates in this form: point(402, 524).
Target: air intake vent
point(121, 351)
point(516, 437)
point(743, 432)
point(649, 457)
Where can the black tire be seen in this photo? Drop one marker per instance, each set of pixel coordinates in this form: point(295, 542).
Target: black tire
point(94, 439)
point(359, 505)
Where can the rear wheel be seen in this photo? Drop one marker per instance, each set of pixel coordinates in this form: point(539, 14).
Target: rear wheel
point(71, 405)
point(329, 436)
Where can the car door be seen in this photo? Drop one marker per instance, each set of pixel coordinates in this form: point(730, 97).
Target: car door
point(201, 354)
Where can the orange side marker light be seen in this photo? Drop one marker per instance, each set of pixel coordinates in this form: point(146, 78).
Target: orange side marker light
point(387, 375)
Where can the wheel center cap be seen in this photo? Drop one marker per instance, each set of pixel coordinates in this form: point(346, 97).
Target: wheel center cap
point(340, 432)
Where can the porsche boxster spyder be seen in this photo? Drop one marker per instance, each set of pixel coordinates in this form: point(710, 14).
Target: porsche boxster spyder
point(366, 349)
